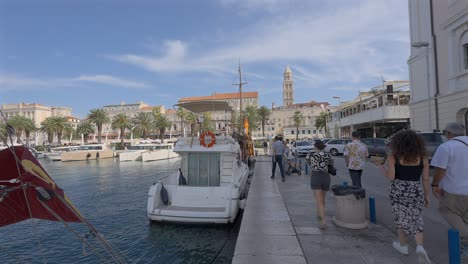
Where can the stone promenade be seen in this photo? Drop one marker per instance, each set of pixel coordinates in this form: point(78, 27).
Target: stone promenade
point(280, 226)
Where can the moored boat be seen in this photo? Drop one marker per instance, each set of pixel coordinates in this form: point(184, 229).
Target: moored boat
point(88, 152)
point(160, 152)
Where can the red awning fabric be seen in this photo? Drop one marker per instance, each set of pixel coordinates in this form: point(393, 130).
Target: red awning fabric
point(18, 189)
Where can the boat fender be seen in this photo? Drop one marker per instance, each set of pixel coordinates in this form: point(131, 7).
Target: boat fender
point(88, 155)
point(182, 180)
point(164, 195)
point(97, 155)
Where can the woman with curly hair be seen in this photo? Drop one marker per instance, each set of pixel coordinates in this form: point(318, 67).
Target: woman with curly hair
point(405, 166)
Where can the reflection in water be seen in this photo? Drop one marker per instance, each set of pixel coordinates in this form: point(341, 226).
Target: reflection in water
point(112, 196)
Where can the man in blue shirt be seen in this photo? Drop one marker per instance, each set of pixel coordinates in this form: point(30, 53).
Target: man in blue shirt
point(278, 150)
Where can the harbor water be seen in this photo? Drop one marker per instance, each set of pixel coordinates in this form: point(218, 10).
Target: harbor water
point(112, 196)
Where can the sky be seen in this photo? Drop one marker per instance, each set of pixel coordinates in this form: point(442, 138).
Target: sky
point(90, 53)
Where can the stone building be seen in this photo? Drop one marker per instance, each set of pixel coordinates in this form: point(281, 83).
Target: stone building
point(438, 64)
point(288, 88)
point(35, 112)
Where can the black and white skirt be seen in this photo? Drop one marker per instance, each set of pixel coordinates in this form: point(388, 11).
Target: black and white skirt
point(407, 199)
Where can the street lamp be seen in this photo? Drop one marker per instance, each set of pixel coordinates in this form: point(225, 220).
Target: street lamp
point(420, 44)
point(339, 107)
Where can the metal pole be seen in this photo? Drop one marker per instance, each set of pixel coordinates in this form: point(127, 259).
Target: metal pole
point(372, 210)
point(428, 89)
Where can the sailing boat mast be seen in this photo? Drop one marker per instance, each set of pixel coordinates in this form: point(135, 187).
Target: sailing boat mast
point(240, 94)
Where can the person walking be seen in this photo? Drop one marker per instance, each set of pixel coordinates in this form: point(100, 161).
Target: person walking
point(408, 195)
point(320, 179)
point(278, 150)
point(450, 182)
point(355, 154)
point(265, 147)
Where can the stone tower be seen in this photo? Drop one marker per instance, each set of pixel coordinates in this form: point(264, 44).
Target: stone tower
point(288, 88)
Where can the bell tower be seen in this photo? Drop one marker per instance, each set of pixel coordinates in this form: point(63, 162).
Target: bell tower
point(288, 88)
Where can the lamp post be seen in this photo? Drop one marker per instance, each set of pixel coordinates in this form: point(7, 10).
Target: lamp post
point(339, 108)
point(424, 44)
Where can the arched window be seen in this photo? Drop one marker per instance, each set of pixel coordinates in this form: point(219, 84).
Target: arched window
point(464, 46)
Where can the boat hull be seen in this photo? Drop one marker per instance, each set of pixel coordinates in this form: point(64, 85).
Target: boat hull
point(130, 156)
point(87, 155)
point(160, 154)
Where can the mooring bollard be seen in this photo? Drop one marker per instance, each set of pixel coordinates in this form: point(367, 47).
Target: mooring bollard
point(306, 169)
point(454, 246)
point(372, 209)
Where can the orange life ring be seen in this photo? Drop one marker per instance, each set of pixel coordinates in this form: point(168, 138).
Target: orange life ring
point(202, 139)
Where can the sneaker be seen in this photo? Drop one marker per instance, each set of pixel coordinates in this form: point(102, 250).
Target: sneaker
point(402, 249)
point(422, 255)
point(283, 180)
point(272, 177)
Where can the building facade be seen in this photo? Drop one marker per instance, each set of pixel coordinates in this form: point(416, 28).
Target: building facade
point(438, 64)
point(380, 112)
point(35, 112)
point(288, 88)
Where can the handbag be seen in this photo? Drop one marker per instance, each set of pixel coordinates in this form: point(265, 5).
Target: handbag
point(331, 169)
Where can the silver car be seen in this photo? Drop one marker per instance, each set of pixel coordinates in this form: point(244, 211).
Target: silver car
point(336, 146)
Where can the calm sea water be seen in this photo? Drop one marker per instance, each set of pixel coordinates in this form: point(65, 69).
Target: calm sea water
point(112, 196)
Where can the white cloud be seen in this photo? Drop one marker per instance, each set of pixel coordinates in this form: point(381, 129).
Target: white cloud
point(354, 42)
point(15, 82)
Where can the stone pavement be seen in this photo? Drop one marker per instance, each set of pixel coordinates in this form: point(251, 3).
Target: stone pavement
point(280, 226)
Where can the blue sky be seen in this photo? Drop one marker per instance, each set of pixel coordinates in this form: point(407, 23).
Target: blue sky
point(90, 53)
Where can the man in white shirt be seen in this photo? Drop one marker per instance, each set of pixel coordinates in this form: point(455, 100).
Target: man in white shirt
point(356, 154)
point(450, 183)
point(278, 150)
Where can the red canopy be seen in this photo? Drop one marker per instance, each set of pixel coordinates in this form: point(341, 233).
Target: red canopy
point(22, 182)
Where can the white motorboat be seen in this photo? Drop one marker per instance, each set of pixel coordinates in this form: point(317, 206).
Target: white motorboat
point(55, 154)
point(134, 152)
point(160, 152)
point(208, 187)
point(88, 152)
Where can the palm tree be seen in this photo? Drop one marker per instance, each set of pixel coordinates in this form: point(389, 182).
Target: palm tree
point(297, 120)
point(251, 113)
point(191, 119)
point(182, 114)
point(18, 123)
point(99, 117)
point(321, 121)
point(59, 123)
point(68, 131)
point(47, 127)
point(162, 123)
point(29, 127)
point(3, 133)
point(207, 124)
point(144, 123)
point(122, 122)
point(86, 128)
point(263, 114)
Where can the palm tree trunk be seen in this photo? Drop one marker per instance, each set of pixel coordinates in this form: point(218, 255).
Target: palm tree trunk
point(59, 136)
point(85, 139)
point(263, 128)
point(297, 133)
point(99, 133)
point(122, 131)
point(18, 137)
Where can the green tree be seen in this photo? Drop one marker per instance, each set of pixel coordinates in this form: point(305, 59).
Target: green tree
point(161, 123)
point(99, 117)
point(191, 119)
point(85, 128)
point(182, 114)
point(297, 120)
point(29, 127)
point(263, 115)
point(122, 122)
point(3, 133)
point(47, 127)
point(68, 131)
point(144, 123)
point(207, 124)
point(321, 121)
point(59, 124)
point(251, 113)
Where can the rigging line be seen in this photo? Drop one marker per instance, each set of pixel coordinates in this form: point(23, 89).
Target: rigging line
point(110, 249)
point(74, 232)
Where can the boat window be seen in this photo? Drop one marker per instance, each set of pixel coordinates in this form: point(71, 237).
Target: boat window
point(203, 169)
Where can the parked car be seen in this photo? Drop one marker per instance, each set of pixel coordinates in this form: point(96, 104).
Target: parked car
point(376, 146)
point(336, 146)
point(325, 140)
point(432, 141)
point(302, 148)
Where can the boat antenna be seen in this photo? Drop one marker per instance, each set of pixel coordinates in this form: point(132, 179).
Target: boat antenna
point(240, 93)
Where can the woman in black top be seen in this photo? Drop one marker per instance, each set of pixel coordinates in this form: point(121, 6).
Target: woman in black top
point(320, 179)
point(408, 195)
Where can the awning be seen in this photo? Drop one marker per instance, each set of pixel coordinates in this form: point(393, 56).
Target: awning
point(205, 106)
